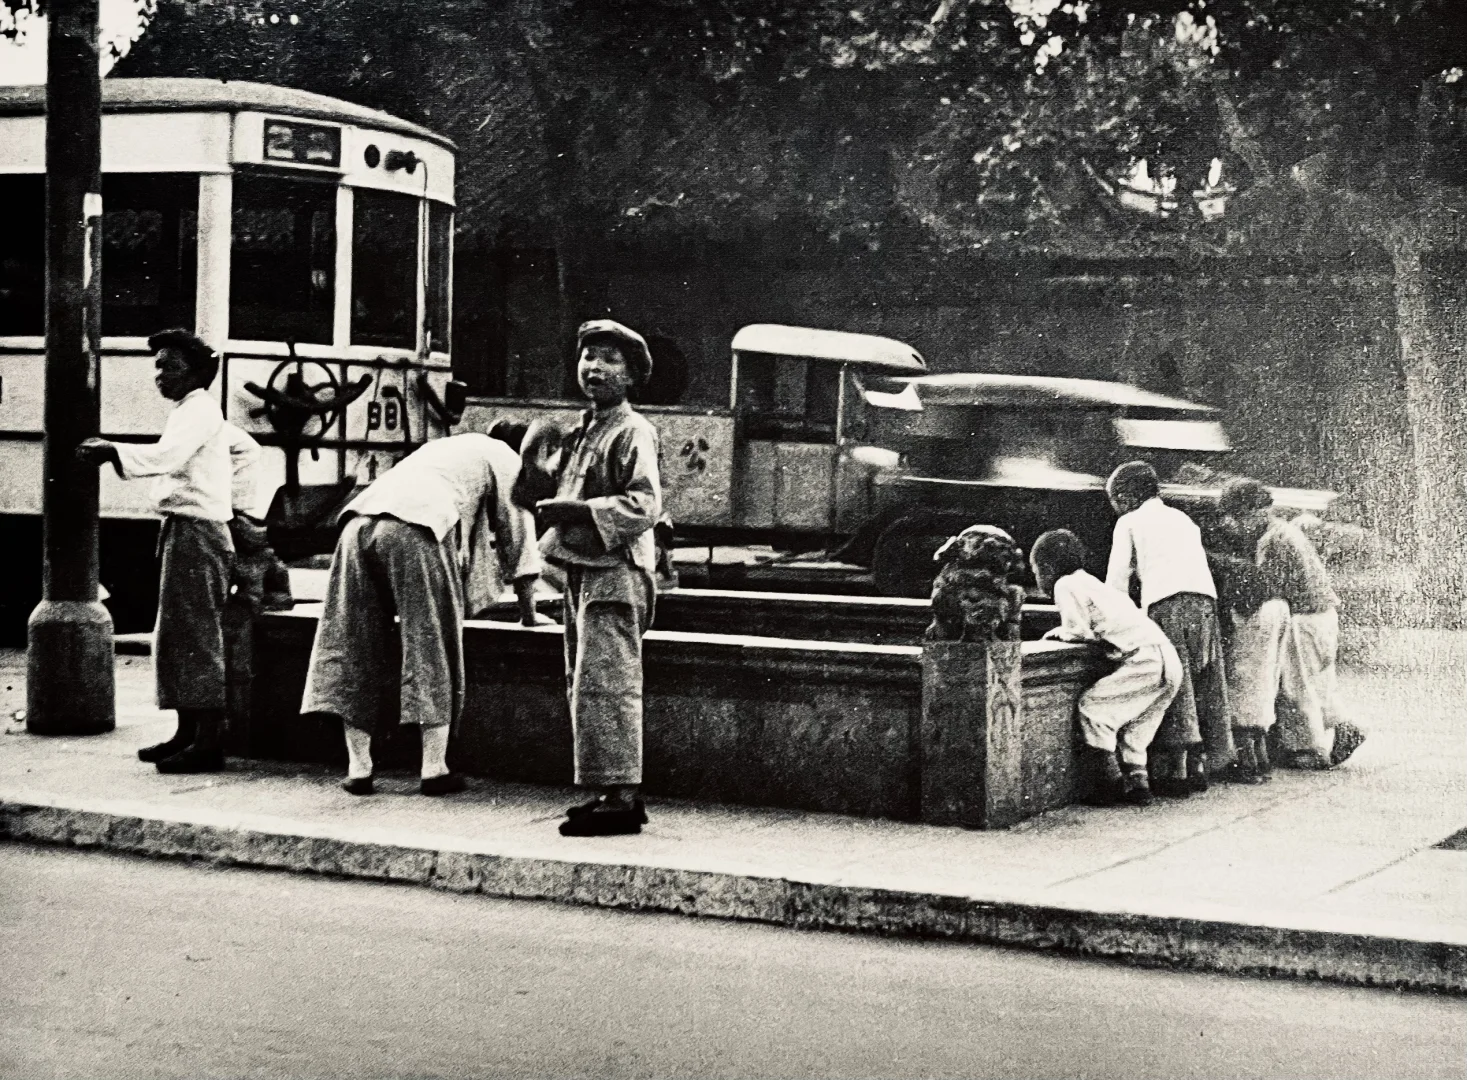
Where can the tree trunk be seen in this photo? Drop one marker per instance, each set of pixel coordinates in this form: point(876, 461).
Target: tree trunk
point(1434, 394)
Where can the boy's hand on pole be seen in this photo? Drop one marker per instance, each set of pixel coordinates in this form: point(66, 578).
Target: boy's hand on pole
point(96, 451)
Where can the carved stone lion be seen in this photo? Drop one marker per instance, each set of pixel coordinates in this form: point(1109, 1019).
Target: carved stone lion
point(976, 595)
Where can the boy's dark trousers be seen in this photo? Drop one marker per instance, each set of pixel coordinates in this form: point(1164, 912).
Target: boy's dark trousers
point(1200, 713)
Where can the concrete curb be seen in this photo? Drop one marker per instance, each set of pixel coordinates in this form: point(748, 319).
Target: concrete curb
point(1202, 944)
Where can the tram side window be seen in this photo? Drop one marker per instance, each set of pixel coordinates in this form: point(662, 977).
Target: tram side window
point(384, 270)
point(440, 274)
point(150, 251)
point(23, 255)
point(283, 263)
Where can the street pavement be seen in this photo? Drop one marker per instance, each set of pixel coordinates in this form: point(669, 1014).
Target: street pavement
point(1333, 875)
point(127, 968)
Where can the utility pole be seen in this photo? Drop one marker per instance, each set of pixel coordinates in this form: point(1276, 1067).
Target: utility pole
point(69, 657)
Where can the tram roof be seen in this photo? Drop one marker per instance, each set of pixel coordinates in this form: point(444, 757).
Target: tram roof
point(220, 95)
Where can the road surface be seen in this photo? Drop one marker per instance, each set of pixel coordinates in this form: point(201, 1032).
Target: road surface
point(118, 968)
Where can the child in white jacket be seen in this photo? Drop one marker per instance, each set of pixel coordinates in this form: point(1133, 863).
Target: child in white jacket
point(1120, 713)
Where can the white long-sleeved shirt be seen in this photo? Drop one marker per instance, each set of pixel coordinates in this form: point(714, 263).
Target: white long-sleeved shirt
point(244, 467)
point(462, 481)
point(1164, 547)
point(190, 460)
point(1090, 610)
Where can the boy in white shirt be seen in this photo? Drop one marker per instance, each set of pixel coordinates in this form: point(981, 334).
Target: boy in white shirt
point(1121, 711)
point(192, 491)
point(1162, 547)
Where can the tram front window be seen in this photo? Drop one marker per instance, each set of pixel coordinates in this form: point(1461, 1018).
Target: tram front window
point(440, 273)
point(149, 252)
point(23, 255)
point(283, 260)
point(384, 270)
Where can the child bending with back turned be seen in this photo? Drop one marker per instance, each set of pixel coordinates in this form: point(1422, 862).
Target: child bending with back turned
point(1121, 712)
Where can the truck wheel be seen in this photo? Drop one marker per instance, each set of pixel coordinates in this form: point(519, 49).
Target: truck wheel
point(901, 563)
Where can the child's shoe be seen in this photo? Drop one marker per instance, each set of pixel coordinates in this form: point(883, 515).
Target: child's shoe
point(449, 783)
point(1308, 760)
point(1348, 738)
point(1108, 789)
point(1196, 772)
point(1245, 769)
point(1261, 757)
point(1135, 790)
point(193, 759)
point(600, 801)
point(627, 822)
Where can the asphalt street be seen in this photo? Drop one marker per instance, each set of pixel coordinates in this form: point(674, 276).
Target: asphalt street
point(120, 967)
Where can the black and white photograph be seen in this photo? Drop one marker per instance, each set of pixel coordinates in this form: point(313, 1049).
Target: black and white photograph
point(733, 539)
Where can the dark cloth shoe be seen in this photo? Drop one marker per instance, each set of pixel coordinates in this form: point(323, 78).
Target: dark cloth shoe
point(183, 738)
point(1135, 790)
point(1238, 773)
point(447, 784)
point(158, 751)
point(595, 805)
point(1261, 756)
point(1309, 760)
point(603, 823)
point(1348, 738)
point(1171, 787)
point(1196, 772)
point(195, 759)
point(358, 785)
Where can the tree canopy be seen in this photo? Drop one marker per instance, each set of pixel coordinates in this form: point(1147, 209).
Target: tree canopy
point(964, 124)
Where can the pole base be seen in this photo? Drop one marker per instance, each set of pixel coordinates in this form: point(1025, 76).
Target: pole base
point(70, 684)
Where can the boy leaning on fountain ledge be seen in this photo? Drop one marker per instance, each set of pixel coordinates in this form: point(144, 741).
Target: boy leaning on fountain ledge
point(1120, 713)
point(1161, 547)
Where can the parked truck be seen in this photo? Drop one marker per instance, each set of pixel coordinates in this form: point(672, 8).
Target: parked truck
point(844, 443)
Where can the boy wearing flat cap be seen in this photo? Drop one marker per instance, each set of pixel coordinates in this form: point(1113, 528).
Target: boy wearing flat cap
point(599, 532)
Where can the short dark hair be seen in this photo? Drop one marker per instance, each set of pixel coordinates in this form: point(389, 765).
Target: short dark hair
point(201, 357)
point(1135, 480)
point(508, 431)
point(1061, 551)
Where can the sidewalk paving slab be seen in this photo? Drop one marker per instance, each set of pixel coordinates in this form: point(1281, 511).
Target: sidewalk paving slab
point(1332, 876)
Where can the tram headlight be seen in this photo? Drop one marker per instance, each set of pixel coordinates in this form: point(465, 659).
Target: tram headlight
point(405, 160)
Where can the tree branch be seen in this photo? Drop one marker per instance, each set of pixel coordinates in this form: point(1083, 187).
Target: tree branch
point(1240, 139)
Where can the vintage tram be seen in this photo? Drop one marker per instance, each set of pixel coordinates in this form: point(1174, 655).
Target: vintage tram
point(308, 239)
